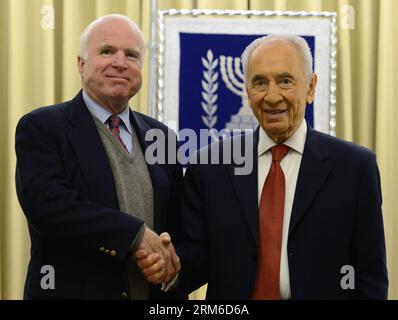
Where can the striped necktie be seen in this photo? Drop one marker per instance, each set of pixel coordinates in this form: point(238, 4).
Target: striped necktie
point(114, 127)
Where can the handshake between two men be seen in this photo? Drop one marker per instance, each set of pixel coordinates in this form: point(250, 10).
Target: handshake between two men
point(156, 257)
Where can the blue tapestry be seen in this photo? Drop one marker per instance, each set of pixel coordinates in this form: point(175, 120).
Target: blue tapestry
point(211, 82)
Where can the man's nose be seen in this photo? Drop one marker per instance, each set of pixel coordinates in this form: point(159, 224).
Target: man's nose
point(119, 60)
point(273, 95)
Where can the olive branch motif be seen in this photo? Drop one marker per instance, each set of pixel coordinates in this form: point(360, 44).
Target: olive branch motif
point(209, 89)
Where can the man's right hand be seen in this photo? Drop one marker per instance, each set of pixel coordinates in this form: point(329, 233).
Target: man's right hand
point(156, 257)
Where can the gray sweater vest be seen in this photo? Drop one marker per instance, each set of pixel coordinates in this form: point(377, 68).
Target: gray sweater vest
point(134, 191)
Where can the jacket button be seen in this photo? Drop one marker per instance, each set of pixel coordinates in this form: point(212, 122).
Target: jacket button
point(113, 253)
point(124, 295)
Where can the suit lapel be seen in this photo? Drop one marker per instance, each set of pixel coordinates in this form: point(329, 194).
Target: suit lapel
point(91, 154)
point(246, 191)
point(313, 173)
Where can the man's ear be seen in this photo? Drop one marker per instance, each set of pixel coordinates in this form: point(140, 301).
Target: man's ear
point(80, 65)
point(311, 89)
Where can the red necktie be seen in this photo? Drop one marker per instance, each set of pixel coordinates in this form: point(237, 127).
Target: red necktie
point(271, 211)
point(114, 126)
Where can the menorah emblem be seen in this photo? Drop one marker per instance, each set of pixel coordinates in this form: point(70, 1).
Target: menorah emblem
point(232, 75)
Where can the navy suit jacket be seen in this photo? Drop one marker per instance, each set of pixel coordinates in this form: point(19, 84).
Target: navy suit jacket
point(336, 221)
point(66, 189)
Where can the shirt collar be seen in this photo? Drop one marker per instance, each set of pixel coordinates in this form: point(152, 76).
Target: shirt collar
point(295, 142)
point(103, 115)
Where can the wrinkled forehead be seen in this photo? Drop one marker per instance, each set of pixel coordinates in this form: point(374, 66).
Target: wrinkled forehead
point(277, 47)
point(277, 53)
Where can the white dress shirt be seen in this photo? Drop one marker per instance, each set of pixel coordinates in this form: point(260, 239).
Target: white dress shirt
point(103, 115)
point(290, 165)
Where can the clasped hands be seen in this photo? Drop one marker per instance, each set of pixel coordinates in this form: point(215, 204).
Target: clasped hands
point(156, 257)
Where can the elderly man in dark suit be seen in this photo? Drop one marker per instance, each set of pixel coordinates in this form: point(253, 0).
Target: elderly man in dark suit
point(90, 198)
point(306, 223)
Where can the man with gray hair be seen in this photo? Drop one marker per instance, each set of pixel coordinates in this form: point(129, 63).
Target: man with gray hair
point(90, 198)
point(306, 223)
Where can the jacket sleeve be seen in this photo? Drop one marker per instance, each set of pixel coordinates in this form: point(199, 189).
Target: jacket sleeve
point(54, 209)
point(369, 250)
point(193, 247)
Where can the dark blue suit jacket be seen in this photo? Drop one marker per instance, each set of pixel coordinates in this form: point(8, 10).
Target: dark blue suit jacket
point(66, 189)
point(336, 220)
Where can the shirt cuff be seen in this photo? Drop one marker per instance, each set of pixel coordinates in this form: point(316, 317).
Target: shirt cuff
point(137, 240)
point(170, 284)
